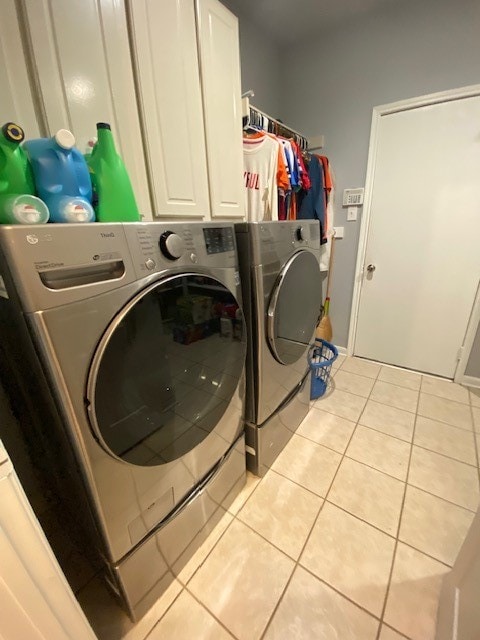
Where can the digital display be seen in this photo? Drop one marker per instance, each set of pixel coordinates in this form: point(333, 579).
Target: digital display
point(218, 239)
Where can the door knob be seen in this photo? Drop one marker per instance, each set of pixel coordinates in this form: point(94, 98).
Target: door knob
point(371, 268)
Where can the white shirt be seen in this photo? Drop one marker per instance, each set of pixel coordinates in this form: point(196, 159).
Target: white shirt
point(260, 158)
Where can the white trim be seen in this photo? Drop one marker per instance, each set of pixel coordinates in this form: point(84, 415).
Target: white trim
point(342, 351)
point(472, 327)
point(470, 381)
point(377, 113)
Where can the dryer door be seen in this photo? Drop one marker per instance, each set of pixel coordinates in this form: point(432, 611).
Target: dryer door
point(166, 369)
point(294, 308)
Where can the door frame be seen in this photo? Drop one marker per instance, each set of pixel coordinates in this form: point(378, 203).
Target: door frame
point(377, 113)
point(466, 348)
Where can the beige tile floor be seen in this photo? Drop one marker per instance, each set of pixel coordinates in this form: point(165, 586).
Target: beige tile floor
point(349, 534)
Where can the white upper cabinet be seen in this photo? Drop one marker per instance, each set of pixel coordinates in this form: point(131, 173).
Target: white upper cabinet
point(220, 70)
point(188, 69)
point(81, 56)
point(16, 103)
point(165, 51)
point(164, 73)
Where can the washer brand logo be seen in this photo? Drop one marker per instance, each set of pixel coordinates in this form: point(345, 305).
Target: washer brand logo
point(32, 239)
point(107, 235)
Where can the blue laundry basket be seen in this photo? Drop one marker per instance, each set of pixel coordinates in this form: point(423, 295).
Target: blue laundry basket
point(321, 356)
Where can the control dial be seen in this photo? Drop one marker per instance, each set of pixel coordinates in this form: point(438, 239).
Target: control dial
point(171, 245)
point(299, 234)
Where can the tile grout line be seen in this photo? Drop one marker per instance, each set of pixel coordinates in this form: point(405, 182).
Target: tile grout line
point(414, 413)
point(394, 555)
point(410, 484)
point(297, 563)
point(184, 586)
point(204, 606)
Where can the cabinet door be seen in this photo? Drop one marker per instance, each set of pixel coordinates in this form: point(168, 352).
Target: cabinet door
point(16, 103)
point(165, 49)
point(37, 602)
point(220, 69)
point(82, 59)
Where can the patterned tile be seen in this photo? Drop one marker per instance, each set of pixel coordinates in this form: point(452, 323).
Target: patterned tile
point(368, 494)
point(237, 583)
point(327, 429)
point(378, 450)
point(395, 396)
point(442, 438)
point(449, 411)
point(308, 464)
point(282, 512)
point(353, 383)
point(311, 610)
point(389, 420)
point(351, 556)
point(446, 478)
point(414, 592)
point(343, 404)
point(401, 377)
point(433, 525)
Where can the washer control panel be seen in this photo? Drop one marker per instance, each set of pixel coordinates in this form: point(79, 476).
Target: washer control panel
point(218, 239)
point(171, 245)
point(156, 246)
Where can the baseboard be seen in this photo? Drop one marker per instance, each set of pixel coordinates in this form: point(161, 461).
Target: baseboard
point(342, 351)
point(469, 381)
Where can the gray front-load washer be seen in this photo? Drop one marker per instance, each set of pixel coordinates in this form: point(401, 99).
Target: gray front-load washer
point(282, 292)
point(124, 345)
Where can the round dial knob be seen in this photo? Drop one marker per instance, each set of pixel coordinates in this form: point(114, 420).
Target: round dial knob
point(299, 234)
point(171, 245)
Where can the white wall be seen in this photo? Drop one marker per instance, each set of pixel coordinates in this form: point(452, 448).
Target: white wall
point(406, 49)
point(260, 62)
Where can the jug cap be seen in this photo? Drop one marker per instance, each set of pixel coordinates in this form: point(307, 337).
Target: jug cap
point(13, 132)
point(103, 125)
point(65, 138)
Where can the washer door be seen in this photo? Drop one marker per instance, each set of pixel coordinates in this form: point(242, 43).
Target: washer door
point(294, 308)
point(166, 369)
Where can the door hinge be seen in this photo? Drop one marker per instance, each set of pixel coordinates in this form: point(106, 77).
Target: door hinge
point(460, 353)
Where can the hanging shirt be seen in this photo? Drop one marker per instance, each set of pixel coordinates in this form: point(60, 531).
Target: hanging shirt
point(313, 204)
point(260, 164)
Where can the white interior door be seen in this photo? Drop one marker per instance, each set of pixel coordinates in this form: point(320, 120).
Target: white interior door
point(424, 237)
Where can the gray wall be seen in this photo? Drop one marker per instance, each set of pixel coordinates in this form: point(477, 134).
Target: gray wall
point(473, 364)
point(260, 62)
point(402, 50)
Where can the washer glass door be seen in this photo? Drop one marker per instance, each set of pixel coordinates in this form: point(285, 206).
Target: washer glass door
point(294, 308)
point(166, 369)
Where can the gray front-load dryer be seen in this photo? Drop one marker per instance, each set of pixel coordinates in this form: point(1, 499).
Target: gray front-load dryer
point(136, 334)
point(281, 280)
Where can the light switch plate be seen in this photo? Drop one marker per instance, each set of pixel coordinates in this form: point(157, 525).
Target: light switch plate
point(352, 213)
point(339, 232)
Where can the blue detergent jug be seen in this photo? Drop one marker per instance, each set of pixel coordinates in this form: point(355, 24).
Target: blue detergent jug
point(61, 177)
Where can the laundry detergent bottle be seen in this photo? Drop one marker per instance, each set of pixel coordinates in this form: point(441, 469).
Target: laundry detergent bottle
point(18, 204)
point(61, 177)
point(113, 194)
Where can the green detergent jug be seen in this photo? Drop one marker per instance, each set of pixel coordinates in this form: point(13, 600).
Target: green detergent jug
point(18, 204)
point(113, 199)
point(15, 172)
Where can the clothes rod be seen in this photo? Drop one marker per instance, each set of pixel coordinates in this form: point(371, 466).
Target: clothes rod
point(316, 142)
